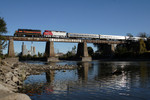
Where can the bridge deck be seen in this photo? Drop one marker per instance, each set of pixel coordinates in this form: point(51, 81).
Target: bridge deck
point(39, 39)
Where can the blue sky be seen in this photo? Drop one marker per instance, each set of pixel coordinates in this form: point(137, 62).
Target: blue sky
point(112, 17)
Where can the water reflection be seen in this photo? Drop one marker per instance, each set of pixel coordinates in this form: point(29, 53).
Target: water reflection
point(48, 87)
point(83, 71)
point(143, 74)
point(95, 80)
point(50, 74)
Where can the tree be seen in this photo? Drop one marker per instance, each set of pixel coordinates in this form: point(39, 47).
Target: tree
point(69, 53)
point(39, 54)
point(104, 49)
point(147, 44)
point(73, 50)
point(121, 49)
point(142, 46)
point(143, 34)
point(132, 46)
point(100, 47)
point(90, 51)
point(34, 56)
point(3, 29)
point(129, 34)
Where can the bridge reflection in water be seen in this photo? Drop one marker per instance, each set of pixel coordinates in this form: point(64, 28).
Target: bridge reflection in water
point(95, 80)
point(81, 76)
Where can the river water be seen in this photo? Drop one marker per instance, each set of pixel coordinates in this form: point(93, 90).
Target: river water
point(96, 80)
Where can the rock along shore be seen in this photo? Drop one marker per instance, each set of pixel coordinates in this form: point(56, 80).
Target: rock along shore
point(13, 73)
point(11, 78)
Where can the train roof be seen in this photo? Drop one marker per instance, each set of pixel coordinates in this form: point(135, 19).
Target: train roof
point(54, 30)
point(83, 34)
point(29, 30)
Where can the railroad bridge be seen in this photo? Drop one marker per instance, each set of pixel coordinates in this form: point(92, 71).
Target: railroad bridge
point(49, 50)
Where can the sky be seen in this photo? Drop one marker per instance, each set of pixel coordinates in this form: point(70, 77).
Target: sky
point(107, 17)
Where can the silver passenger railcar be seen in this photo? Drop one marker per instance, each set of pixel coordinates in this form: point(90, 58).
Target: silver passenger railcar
point(77, 35)
point(137, 38)
point(112, 37)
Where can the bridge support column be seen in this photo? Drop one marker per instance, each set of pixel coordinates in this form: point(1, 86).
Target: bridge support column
point(113, 47)
point(49, 51)
point(82, 52)
point(11, 48)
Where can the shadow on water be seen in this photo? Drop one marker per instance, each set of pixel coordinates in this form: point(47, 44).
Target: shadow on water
point(92, 80)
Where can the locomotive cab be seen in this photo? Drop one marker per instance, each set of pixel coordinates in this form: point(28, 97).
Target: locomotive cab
point(47, 33)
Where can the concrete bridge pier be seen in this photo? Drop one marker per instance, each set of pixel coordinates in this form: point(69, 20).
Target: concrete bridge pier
point(11, 52)
point(113, 47)
point(49, 51)
point(82, 52)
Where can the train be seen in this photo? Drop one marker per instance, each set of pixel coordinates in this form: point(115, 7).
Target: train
point(27, 33)
point(64, 34)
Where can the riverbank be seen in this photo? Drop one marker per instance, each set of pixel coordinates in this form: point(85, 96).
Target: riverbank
point(13, 73)
point(11, 78)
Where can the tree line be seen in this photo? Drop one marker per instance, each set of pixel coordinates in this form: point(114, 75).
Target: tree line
point(130, 49)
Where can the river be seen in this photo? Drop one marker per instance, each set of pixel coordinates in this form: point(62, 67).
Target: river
point(96, 80)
